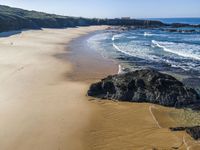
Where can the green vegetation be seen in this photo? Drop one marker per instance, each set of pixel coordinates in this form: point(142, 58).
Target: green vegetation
point(15, 19)
point(15, 12)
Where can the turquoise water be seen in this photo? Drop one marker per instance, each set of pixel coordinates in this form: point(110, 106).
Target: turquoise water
point(177, 52)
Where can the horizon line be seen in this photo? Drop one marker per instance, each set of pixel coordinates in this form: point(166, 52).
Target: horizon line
point(101, 17)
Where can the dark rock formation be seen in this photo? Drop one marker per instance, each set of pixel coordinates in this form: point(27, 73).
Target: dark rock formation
point(181, 30)
point(145, 86)
point(179, 25)
point(194, 132)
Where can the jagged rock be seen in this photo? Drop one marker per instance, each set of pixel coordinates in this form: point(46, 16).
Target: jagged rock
point(194, 132)
point(145, 86)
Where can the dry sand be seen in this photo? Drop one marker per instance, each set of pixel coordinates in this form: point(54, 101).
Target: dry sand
point(43, 104)
point(40, 109)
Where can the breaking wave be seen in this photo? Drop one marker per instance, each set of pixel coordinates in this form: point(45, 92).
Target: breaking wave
point(180, 49)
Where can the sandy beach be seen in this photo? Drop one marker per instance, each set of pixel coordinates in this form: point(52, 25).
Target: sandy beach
point(43, 102)
point(40, 108)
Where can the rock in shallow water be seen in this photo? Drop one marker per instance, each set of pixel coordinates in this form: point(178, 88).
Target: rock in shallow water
point(145, 86)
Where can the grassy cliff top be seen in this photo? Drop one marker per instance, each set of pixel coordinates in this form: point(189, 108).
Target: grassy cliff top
point(17, 12)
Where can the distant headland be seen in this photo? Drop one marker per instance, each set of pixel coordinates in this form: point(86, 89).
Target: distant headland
point(17, 19)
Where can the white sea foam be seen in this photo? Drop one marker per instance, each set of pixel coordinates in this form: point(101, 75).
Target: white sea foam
point(177, 53)
point(99, 37)
point(113, 38)
point(117, 36)
point(136, 50)
point(180, 49)
point(147, 34)
point(117, 48)
point(131, 37)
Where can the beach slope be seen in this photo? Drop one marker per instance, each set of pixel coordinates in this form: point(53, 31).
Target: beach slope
point(40, 108)
point(43, 104)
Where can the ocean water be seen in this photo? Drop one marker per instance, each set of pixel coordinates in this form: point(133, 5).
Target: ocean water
point(178, 20)
point(174, 52)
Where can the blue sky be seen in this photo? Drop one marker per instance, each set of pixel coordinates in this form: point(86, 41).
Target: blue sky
point(112, 8)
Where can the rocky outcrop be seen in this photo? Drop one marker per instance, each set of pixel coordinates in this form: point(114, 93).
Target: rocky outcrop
point(180, 25)
point(145, 86)
point(194, 132)
point(181, 30)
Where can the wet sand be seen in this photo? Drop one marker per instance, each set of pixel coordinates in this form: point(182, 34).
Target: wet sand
point(44, 80)
point(119, 125)
point(40, 108)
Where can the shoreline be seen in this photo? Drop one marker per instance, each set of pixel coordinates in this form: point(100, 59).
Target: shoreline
point(40, 107)
point(98, 131)
point(50, 102)
point(102, 128)
point(87, 61)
